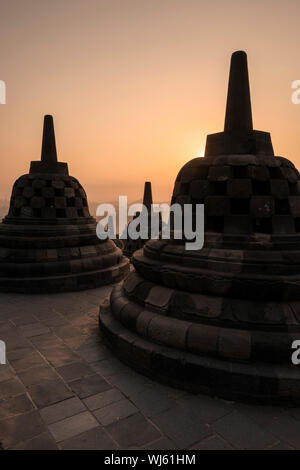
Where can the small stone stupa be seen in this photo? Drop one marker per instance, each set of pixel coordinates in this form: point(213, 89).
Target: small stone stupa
point(48, 240)
point(130, 245)
point(221, 320)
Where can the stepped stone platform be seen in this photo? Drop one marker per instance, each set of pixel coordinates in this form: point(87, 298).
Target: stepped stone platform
point(221, 320)
point(48, 239)
point(62, 388)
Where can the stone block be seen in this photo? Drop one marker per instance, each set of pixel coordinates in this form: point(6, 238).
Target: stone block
point(262, 206)
point(219, 173)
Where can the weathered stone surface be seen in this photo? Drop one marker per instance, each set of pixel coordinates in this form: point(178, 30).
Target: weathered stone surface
point(49, 214)
point(221, 320)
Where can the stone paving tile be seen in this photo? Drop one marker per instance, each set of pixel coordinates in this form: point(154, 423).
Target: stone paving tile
point(11, 388)
point(15, 341)
point(161, 444)
point(115, 411)
point(33, 329)
point(94, 439)
point(6, 372)
point(14, 406)
point(73, 426)
point(49, 392)
point(108, 367)
point(242, 432)
point(294, 412)
point(36, 375)
point(64, 409)
point(25, 319)
point(6, 326)
point(90, 385)
point(152, 401)
point(93, 353)
point(41, 442)
point(130, 383)
point(280, 446)
point(103, 399)
point(59, 355)
point(24, 358)
point(20, 428)
point(286, 429)
point(75, 370)
point(46, 341)
point(212, 443)
point(181, 429)
point(65, 329)
point(262, 415)
point(55, 319)
point(133, 432)
point(204, 407)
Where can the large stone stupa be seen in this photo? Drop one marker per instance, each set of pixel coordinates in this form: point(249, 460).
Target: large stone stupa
point(48, 240)
point(221, 320)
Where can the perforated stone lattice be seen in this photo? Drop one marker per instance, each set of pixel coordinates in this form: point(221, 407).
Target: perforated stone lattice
point(251, 194)
point(46, 196)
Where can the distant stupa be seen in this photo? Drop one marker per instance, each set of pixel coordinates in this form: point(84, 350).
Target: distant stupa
point(130, 245)
point(48, 239)
point(221, 320)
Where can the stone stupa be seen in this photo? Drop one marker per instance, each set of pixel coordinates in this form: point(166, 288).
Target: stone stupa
point(48, 240)
point(130, 245)
point(221, 320)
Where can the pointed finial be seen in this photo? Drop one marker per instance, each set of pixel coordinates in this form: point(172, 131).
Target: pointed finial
point(147, 200)
point(49, 154)
point(238, 137)
point(48, 162)
point(238, 110)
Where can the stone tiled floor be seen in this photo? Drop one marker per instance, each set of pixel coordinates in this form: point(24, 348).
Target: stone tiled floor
point(63, 389)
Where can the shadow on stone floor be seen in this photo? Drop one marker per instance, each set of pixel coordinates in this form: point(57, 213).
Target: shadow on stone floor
point(63, 389)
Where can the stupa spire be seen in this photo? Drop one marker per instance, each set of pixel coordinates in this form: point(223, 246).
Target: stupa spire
point(239, 137)
point(147, 200)
point(238, 110)
point(48, 162)
point(49, 154)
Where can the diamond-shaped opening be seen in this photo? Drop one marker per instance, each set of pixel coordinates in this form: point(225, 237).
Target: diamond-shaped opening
point(71, 202)
point(297, 224)
point(240, 172)
point(239, 206)
point(261, 188)
point(37, 212)
point(275, 172)
point(49, 201)
point(263, 225)
point(282, 207)
point(220, 188)
point(294, 189)
point(60, 213)
point(214, 224)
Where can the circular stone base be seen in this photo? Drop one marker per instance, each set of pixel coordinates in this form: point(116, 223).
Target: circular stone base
point(247, 382)
point(66, 283)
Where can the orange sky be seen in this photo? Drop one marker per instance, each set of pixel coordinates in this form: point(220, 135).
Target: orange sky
point(135, 85)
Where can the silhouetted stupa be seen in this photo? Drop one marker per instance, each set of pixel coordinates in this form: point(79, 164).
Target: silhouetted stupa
point(221, 320)
point(130, 245)
point(48, 240)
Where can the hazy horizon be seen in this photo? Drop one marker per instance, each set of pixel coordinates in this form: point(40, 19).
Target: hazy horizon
point(136, 85)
